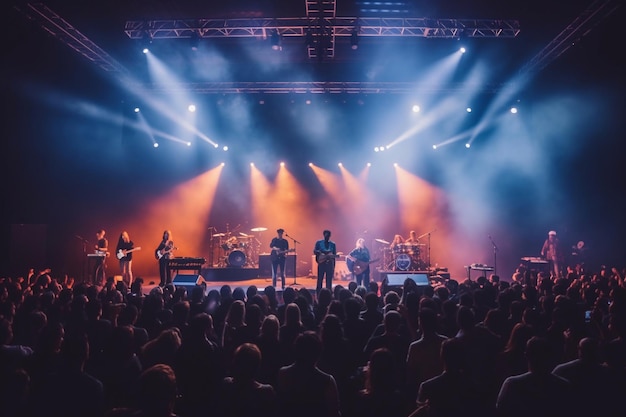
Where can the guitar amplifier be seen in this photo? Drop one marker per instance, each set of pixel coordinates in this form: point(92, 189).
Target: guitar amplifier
point(265, 265)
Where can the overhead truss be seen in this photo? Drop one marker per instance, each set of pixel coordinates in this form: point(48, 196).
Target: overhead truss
point(340, 26)
point(321, 87)
point(58, 27)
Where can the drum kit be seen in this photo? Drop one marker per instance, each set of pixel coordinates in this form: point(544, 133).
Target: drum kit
point(239, 249)
point(406, 256)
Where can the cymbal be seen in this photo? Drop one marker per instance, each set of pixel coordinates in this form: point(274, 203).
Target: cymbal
point(219, 234)
point(383, 241)
point(258, 229)
point(244, 234)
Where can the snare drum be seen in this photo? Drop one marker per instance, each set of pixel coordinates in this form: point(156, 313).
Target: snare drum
point(398, 249)
point(413, 249)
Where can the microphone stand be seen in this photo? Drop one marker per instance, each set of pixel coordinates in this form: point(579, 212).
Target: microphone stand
point(428, 233)
point(495, 256)
point(295, 256)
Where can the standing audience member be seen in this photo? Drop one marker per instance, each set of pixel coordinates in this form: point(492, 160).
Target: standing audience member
point(241, 394)
point(303, 389)
point(538, 392)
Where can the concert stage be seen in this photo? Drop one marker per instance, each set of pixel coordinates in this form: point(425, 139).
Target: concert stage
point(231, 274)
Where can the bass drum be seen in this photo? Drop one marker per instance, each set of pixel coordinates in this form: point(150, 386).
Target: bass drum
point(236, 258)
point(403, 262)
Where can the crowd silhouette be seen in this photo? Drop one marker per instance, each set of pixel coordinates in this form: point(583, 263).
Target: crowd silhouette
point(535, 345)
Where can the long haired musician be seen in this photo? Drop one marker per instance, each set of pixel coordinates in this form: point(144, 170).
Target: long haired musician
point(124, 252)
point(358, 261)
point(163, 253)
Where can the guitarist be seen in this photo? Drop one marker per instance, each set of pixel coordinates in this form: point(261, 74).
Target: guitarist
point(163, 253)
point(325, 254)
point(280, 246)
point(358, 261)
point(124, 244)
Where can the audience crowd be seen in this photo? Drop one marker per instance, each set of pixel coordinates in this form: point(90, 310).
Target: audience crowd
point(536, 345)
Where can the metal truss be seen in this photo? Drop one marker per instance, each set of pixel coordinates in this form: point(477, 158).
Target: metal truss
point(581, 26)
point(341, 26)
point(56, 26)
point(320, 39)
point(332, 87)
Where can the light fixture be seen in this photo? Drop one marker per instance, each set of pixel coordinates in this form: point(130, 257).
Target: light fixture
point(354, 39)
point(275, 40)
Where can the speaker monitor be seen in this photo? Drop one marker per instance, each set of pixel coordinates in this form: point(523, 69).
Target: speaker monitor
point(187, 280)
point(397, 279)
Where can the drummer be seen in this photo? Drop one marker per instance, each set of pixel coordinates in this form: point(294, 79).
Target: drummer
point(397, 242)
point(412, 237)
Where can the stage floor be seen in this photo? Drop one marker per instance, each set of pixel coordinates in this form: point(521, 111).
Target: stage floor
point(304, 282)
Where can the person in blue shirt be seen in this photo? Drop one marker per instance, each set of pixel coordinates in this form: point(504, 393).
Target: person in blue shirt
point(325, 254)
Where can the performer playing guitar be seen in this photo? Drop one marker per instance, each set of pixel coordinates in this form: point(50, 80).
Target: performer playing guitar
point(163, 253)
point(325, 254)
point(280, 247)
point(358, 261)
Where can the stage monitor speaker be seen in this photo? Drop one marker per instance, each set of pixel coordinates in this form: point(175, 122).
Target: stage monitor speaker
point(396, 279)
point(265, 265)
point(187, 280)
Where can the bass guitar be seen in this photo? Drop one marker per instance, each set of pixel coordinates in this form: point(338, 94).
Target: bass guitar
point(356, 266)
point(161, 253)
point(122, 252)
point(325, 257)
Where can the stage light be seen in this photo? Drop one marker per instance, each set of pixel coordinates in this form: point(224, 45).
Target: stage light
point(225, 148)
point(188, 143)
point(191, 108)
point(194, 41)
point(467, 145)
point(311, 164)
point(416, 108)
point(435, 147)
point(251, 164)
point(145, 50)
point(376, 149)
point(514, 110)
point(395, 164)
point(156, 145)
point(282, 164)
point(307, 101)
point(216, 146)
point(469, 109)
point(223, 163)
point(136, 110)
point(354, 39)
point(462, 50)
point(275, 40)
point(369, 164)
point(340, 164)
point(383, 148)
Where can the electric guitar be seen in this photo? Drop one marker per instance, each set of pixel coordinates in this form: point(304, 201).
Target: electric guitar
point(278, 253)
point(325, 257)
point(161, 253)
point(122, 252)
point(356, 266)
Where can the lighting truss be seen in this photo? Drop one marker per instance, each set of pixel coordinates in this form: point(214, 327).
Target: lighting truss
point(341, 26)
point(58, 27)
point(321, 87)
